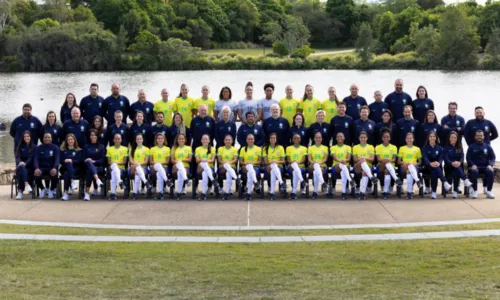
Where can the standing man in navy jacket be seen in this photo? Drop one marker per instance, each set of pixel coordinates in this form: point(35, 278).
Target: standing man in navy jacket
point(26, 122)
point(377, 108)
point(115, 102)
point(278, 125)
point(142, 105)
point(77, 126)
point(480, 159)
point(397, 100)
point(354, 102)
point(480, 123)
point(91, 105)
point(452, 122)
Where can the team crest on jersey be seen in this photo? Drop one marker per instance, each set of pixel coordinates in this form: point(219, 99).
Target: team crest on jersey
point(486, 128)
point(435, 129)
point(121, 103)
point(281, 126)
point(359, 105)
point(100, 104)
point(143, 131)
point(208, 124)
point(147, 109)
point(426, 106)
point(55, 131)
point(302, 132)
point(370, 126)
point(228, 128)
point(32, 125)
point(413, 128)
point(82, 129)
point(324, 130)
point(404, 101)
point(255, 131)
point(458, 122)
point(346, 125)
point(121, 131)
point(74, 153)
point(437, 152)
point(485, 151)
point(163, 132)
point(51, 153)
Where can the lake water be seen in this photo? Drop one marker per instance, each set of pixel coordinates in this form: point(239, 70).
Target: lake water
point(468, 89)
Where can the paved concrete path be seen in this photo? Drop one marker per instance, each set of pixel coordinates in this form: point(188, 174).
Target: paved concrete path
point(239, 213)
point(333, 52)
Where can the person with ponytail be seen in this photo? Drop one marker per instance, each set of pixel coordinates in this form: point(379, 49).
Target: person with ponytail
point(94, 156)
point(274, 159)
point(386, 125)
point(432, 155)
point(250, 161)
point(205, 159)
point(387, 154)
point(160, 159)
point(309, 105)
point(410, 159)
point(71, 160)
point(363, 157)
point(181, 158)
point(184, 104)
point(341, 155)
point(296, 156)
point(318, 156)
point(454, 160)
point(227, 156)
point(139, 158)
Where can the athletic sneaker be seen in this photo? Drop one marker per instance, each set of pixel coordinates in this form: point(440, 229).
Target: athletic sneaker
point(203, 197)
point(134, 196)
point(159, 196)
point(386, 196)
point(454, 195)
point(467, 183)
point(19, 196)
point(362, 196)
point(315, 195)
point(428, 190)
point(179, 197)
point(74, 185)
point(434, 195)
point(409, 196)
point(28, 189)
point(474, 195)
point(249, 197)
point(447, 186)
point(112, 197)
point(226, 197)
point(293, 196)
point(490, 195)
point(65, 197)
point(344, 196)
point(86, 197)
point(51, 194)
point(95, 192)
point(272, 197)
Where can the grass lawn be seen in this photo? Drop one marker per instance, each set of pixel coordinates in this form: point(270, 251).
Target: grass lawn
point(259, 51)
point(27, 229)
point(427, 269)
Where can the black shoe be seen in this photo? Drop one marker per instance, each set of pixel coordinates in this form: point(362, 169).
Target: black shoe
point(134, 196)
point(386, 196)
point(399, 182)
point(419, 184)
point(256, 188)
point(344, 196)
point(409, 196)
point(293, 196)
point(314, 196)
point(273, 197)
point(249, 197)
point(362, 196)
point(374, 180)
point(203, 197)
point(126, 193)
point(283, 189)
point(148, 185)
point(179, 197)
point(122, 185)
point(112, 197)
point(324, 187)
point(459, 192)
point(159, 196)
point(215, 184)
point(170, 183)
point(226, 197)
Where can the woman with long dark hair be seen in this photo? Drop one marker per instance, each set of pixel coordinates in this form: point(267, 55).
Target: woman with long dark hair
point(139, 158)
point(52, 127)
point(160, 159)
point(181, 158)
point(318, 156)
point(205, 159)
point(363, 157)
point(298, 127)
point(432, 154)
point(409, 160)
point(385, 125)
point(274, 160)
point(178, 127)
point(227, 158)
point(94, 158)
point(68, 105)
point(24, 164)
point(71, 160)
point(98, 126)
point(250, 160)
point(454, 160)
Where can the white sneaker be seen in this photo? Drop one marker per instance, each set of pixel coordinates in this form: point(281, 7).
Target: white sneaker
point(99, 182)
point(74, 185)
point(454, 195)
point(433, 195)
point(54, 193)
point(19, 196)
point(428, 190)
point(87, 197)
point(65, 197)
point(490, 195)
point(27, 189)
point(474, 195)
point(43, 193)
point(467, 183)
point(95, 192)
point(447, 186)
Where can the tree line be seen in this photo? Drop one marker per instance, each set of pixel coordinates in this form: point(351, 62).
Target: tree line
point(77, 35)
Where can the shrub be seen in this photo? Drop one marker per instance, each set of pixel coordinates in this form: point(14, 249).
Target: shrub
point(279, 49)
point(302, 52)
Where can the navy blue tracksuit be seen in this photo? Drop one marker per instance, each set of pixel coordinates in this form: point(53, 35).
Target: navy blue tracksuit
point(481, 156)
point(154, 130)
point(136, 129)
point(376, 110)
point(424, 130)
point(80, 129)
point(91, 107)
point(222, 129)
point(70, 170)
point(434, 154)
point(397, 102)
point(379, 129)
point(404, 127)
point(55, 132)
point(324, 129)
point(366, 125)
point(420, 108)
point(302, 131)
point(353, 106)
point(146, 108)
point(451, 154)
point(65, 113)
point(23, 173)
point(46, 158)
point(112, 104)
point(115, 129)
point(20, 125)
point(202, 126)
point(97, 153)
point(256, 130)
point(490, 130)
point(279, 126)
point(172, 132)
point(343, 124)
point(453, 124)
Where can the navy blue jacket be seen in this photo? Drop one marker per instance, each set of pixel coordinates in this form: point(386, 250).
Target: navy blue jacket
point(432, 154)
point(172, 132)
point(451, 154)
point(424, 130)
point(92, 151)
point(368, 126)
point(279, 126)
point(256, 130)
point(25, 155)
point(121, 130)
point(404, 127)
point(397, 102)
point(65, 113)
point(80, 130)
point(222, 129)
point(325, 132)
point(200, 127)
point(75, 156)
point(380, 127)
point(481, 155)
point(55, 131)
point(112, 104)
point(490, 131)
point(453, 124)
point(20, 125)
point(46, 157)
point(91, 107)
point(420, 108)
point(144, 129)
point(302, 131)
point(353, 106)
point(146, 108)
point(376, 110)
point(343, 124)
point(154, 130)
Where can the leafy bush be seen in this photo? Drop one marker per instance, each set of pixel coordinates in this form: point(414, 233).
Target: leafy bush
point(302, 52)
point(279, 49)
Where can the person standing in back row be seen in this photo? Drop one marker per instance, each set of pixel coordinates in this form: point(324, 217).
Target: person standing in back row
point(489, 129)
point(377, 108)
point(91, 105)
point(452, 123)
point(113, 103)
point(268, 101)
point(184, 104)
point(289, 105)
point(143, 105)
point(164, 106)
point(69, 103)
point(422, 104)
point(206, 100)
point(397, 100)
point(249, 104)
point(225, 99)
point(354, 102)
point(25, 122)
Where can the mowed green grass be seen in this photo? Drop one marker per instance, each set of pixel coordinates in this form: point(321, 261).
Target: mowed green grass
point(255, 52)
point(28, 229)
point(426, 269)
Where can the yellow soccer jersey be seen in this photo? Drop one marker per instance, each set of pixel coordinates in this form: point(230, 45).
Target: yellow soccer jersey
point(209, 102)
point(182, 153)
point(330, 108)
point(274, 154)
point(160, 155)
point(295, 154)
point(202, 152)
point(184, 107)
point(167, 108)
point(116, 155)
point(341, 152)
point(141, 154)
point(289, 108)
point(410, 155)
point(386, 152)
point(318, 153)
point(228, 154)
point(363, 152)
point(251, 155)
point(309, 109)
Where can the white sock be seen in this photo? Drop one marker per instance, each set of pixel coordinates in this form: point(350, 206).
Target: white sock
point(296, 168)
point(409, 181)
point(229, 182)
point(140, 171)
point(204, 182)
point(180, 181)
point(181, 170)
point(367, 170)
point(251, 174)
point(277, 173)
point(391, 170)
point(117, 172)
point(295, 182)
point(160, 182)
point(318, 173)
point(413, 172)
point(387, 183)
point(137, 182)
point(344, 181)
point(207, 169)
point(230, 170)
point(249, 181)
point(364, 184)
point(345, 172)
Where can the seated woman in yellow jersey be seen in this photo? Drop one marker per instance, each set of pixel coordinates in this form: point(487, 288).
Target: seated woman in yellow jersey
point(160, 159)
point(205, 158)
point(139, 158)
point(117, 160)
point(296, 156)
point(410, 159)
point(274, 159)
point(387, 154)
point(341, 156)
point(181, 157)
point(317, 155)
point(309, 105)
point(227, 156)
point(205, 99)
point(330, 104)
point(250, 161)
point(364, 156)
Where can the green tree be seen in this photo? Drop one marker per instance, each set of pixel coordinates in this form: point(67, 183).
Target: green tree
point(426, 41)
point(364, 43)
point(292, 33)
point(385, 22)
point(397, 6)
point(404, 20)
point(83, 14)
point(493, 47)
point(429, 4)
point(458, 39)
point(280, 49)
point(145, 43)
point(5, 13)
point(343, 15)
point(489, 18)
point(323, 31)
point(174, 52)
point(45, 24)
point(200, 33)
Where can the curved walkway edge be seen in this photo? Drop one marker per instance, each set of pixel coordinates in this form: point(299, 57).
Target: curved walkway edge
point(243, 239)
point(243, 228)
